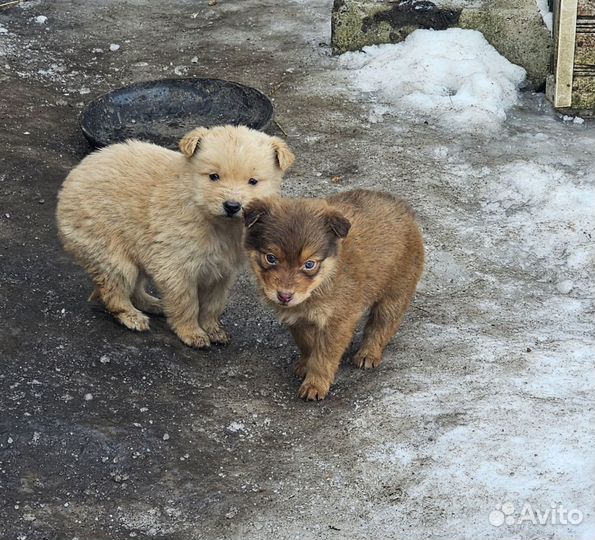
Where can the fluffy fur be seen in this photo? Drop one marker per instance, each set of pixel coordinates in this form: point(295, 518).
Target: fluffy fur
point(136, 210)
point(321, 264)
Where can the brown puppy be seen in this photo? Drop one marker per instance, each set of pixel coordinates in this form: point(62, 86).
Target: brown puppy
point(322, 263)
point(135, 209)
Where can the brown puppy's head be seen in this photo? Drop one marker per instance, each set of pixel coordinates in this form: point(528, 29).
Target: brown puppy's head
point(233, 165)
point(293, 246)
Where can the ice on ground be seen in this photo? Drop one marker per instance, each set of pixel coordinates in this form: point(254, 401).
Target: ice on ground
point(551, 211)
point(455, 77)
point(546, 14)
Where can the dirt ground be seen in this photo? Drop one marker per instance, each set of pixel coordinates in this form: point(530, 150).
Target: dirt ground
point(484, 397)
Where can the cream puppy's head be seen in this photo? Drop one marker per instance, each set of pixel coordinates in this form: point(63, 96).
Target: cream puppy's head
point(233, 165)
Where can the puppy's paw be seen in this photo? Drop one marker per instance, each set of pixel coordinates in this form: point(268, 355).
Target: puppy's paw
point(196, 338)
point(366, 359)
point(218, 335)
point(135, 320)
point(314, 388)
point(300, 369)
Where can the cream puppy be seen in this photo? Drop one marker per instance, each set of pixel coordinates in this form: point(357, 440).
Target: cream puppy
point(136, 210)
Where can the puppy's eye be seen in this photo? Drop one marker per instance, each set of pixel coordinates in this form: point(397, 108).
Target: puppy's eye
point(310, 265)
point(253, 181)
point(214, 177)
point(271, 259)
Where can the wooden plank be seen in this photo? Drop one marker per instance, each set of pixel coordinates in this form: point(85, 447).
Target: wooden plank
point(586, 8)
point(585, 47)
point(565, 53)
point(583, 93)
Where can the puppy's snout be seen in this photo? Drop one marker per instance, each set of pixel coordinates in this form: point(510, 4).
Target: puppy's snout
point(231, 207)
point(284, 297)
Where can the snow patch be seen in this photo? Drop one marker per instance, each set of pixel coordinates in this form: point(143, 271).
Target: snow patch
point(453, 76)
point(546, 14)
point(573, 119)
point(392, 453)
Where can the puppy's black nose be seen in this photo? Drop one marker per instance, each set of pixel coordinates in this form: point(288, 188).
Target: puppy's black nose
point(231, 207)
point(284, 297)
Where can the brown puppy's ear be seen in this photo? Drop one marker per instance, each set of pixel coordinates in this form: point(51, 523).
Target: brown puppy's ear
point(338, 223)
point(283, 154)
point(254, 211)
point(191, 141)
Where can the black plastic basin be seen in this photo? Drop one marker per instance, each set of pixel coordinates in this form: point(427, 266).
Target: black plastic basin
point(163, 111)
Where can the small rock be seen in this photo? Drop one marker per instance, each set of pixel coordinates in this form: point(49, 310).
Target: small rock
point(40, 19)
point(114, 47)
point(104, 359)
point(165, 437)
point(233, 511)
point(234, 427)
point(194, 60)
point(173, 512)
point(88, 397)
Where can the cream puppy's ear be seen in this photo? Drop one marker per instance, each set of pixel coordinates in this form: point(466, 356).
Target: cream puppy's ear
point(191, 141)
point(284, 155)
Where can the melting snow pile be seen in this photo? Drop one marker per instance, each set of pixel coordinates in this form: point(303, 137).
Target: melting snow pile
point(455, 77)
